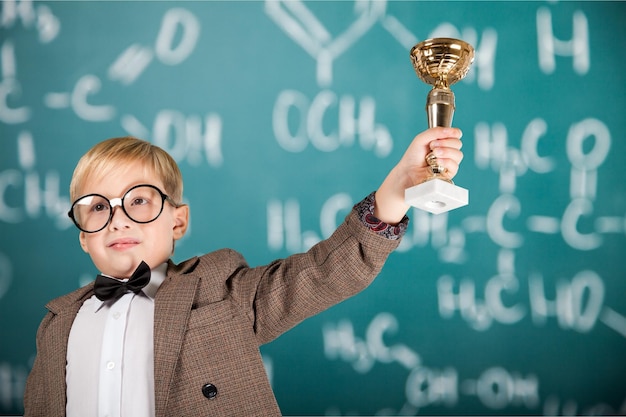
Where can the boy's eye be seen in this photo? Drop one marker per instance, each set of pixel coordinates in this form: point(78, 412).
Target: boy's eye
point(139, 201)
point(100, 207)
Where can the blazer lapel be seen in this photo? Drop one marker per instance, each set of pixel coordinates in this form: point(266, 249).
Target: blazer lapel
point(172, 308)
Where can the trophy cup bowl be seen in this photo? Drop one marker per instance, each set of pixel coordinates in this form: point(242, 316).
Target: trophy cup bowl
point(440, 62)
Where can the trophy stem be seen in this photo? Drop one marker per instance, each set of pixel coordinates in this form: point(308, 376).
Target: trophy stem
point(440, 107)
point(440, 110)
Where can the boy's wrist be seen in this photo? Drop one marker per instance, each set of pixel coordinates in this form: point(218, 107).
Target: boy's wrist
point(365, 209)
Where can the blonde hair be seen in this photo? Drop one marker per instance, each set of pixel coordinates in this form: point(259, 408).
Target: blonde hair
point(104, 156)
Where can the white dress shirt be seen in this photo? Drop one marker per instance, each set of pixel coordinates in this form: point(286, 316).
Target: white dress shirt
point(110, 355)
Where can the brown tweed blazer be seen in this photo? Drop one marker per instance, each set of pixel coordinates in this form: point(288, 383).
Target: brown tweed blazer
point(211, 315)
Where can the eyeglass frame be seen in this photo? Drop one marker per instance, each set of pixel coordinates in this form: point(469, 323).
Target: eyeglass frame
point(119, 201)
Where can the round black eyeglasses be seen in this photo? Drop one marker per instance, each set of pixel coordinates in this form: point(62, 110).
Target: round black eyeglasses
point(142, 204)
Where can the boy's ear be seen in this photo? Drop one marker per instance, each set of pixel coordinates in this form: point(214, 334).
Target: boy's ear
point(81, 239)
point(181, 221)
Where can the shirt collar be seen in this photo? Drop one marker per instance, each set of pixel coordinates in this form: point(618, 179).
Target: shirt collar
point(157, 276)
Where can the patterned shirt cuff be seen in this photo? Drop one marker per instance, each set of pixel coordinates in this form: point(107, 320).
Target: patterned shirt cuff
point(365, 209)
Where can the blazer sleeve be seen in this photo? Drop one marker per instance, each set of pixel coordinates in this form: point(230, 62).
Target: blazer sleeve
point(289, 290)
point(44, 394)
point(34, 393)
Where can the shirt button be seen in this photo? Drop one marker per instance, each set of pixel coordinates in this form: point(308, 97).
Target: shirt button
point(117, 315)
point(209, 391)
point(110, 365)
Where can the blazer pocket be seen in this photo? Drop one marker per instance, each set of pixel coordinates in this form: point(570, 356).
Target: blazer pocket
point(210, 314)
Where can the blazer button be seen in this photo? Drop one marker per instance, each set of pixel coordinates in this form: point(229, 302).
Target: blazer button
point(209, 391)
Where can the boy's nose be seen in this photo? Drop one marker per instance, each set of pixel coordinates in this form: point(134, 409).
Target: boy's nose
point(119, 219)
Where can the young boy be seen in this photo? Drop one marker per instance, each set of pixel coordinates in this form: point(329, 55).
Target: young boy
point(183, 340)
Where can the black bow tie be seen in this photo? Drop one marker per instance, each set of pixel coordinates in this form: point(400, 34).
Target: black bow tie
point(107, 288)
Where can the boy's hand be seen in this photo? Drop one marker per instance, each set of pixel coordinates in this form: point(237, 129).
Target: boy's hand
point(412, 169)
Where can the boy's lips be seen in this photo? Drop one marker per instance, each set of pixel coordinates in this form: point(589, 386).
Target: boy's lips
point(123, 243)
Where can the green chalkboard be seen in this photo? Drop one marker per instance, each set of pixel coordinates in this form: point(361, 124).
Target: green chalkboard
point(282, 115)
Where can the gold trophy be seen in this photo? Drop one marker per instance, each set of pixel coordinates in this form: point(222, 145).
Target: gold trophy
point(439, 62)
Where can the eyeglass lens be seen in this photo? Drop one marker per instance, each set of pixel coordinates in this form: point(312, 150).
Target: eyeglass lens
point(141, 204)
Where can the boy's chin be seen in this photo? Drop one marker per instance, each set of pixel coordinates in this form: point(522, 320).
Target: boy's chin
point(120, 269)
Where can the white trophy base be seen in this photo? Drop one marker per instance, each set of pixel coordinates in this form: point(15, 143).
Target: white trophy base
point(436, 196)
